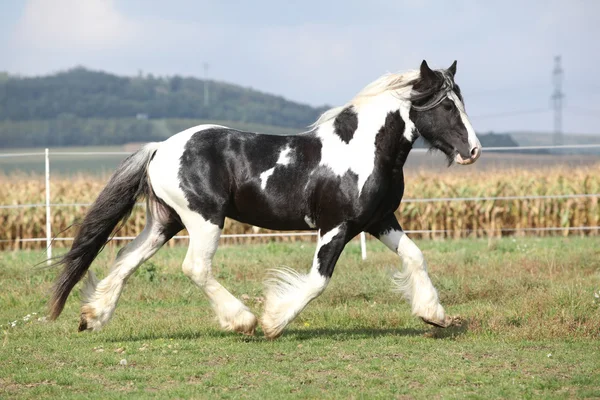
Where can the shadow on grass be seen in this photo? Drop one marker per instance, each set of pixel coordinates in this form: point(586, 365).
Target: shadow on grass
point(179, 335)
point(452, 332)
point(351, 333)
point(339, 334)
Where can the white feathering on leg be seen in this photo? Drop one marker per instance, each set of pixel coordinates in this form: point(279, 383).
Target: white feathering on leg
point(413, 281)
point(287, 293)
point(89, 287)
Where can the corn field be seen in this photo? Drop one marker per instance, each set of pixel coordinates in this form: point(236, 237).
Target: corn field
point(451, 218)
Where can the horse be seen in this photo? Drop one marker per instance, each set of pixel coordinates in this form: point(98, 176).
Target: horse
point(343, 176)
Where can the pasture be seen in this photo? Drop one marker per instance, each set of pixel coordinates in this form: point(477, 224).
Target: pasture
point(530, 328)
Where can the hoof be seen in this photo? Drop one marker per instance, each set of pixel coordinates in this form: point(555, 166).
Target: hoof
point(270, 329)
point(447, 322)
point(271, 334)
point(246, 329)
point(244, 322)
point(82, 325)
point(88, 320)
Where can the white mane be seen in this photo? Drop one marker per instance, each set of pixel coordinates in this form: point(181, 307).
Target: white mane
point(400, 83)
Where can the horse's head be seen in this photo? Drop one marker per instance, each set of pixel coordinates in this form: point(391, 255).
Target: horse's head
point(439, 115)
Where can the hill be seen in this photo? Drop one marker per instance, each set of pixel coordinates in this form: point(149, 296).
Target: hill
point(80, 106)
point(92, 94)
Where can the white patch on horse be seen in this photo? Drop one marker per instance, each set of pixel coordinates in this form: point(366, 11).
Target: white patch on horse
point(325, 239)
point(265, 176)
point(284, 159)
point(358, 155)
point(409, 125)
point(164, 172)
point(309, 222)
point(284, 156)
point(473, 140)
point(322, 241)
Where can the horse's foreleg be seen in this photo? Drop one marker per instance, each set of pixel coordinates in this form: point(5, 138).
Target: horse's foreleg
point(288, 292)
point(413, 281)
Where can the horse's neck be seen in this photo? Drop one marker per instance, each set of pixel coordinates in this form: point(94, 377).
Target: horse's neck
point(392, 129)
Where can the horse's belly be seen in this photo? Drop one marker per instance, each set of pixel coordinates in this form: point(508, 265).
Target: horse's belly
point(272, 223)
point(276, 210)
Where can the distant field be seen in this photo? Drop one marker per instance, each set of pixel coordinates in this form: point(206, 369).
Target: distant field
point(68, 165)
point(63, 165)
point(498, 161)
point(531, 328)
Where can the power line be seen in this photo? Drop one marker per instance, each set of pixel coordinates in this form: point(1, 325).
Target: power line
point(583, 112)
point(510, 113)
point(505, 89)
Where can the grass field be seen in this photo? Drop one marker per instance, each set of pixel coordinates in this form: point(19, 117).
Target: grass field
point(531, 328)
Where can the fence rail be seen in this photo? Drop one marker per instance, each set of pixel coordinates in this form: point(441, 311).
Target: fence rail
point(415, 150)
point(404, 201)
point(312, 233)
point(48, 205)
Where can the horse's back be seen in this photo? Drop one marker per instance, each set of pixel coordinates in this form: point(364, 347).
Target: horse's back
point(218, 171)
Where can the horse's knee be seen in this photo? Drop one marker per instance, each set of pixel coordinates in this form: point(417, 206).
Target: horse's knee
point(187, 267)
point(416, 258)
point(410, 252)
point(196, 271)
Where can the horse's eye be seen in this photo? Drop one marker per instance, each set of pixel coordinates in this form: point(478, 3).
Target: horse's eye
point(447, 106)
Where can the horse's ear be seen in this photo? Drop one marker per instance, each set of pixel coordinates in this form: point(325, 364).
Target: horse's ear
point(426, 73)
point(452, 69)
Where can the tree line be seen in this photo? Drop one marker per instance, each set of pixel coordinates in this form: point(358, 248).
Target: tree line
point(92, 94)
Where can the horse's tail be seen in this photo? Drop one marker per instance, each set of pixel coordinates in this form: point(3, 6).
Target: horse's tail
point(114, 204)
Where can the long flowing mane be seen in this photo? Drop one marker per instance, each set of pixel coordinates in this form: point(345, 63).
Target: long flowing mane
point(401, 84)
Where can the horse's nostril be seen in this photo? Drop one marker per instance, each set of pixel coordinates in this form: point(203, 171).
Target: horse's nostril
point(474, 152)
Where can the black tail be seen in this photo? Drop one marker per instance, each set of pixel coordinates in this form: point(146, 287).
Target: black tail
point(114, 204)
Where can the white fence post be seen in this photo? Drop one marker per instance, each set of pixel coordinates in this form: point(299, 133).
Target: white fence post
point(48, 224)
point(363, 245)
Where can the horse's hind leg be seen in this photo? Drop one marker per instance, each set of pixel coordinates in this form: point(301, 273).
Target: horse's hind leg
point(232, 314)
point(99, 299)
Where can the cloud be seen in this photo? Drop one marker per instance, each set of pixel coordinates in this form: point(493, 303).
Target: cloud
point(73, 25)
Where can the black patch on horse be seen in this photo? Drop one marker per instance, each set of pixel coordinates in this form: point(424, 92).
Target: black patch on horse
point(345, 124)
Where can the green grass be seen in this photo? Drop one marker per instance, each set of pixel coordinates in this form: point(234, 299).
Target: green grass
point(531, 330)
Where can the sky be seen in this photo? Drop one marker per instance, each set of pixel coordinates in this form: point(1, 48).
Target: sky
point(323, 52)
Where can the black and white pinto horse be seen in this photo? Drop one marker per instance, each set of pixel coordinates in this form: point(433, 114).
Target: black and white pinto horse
point(342, 177)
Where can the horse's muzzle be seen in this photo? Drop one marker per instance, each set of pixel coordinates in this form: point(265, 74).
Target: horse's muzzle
point(475, 153)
